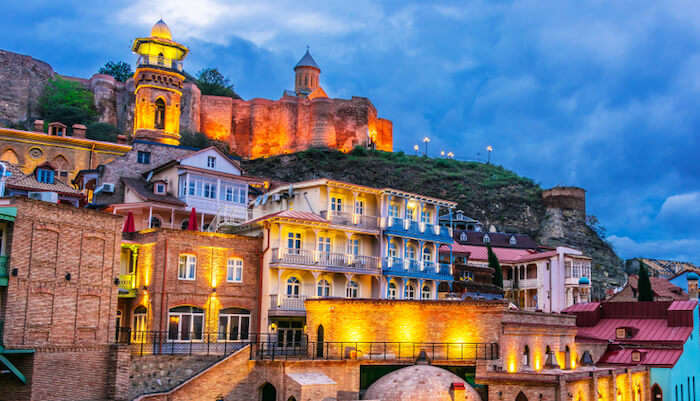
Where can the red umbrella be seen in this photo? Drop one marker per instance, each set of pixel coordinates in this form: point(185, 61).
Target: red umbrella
point(129, 226)
point(192, 223)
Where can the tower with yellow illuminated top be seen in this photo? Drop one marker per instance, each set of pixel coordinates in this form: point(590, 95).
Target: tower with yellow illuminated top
point(158, 81)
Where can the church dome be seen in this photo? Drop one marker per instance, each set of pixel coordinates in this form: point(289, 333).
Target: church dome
point(419, 383)
point(307, 61)
point(161, 30)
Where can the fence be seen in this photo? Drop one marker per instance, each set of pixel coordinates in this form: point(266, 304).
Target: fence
point(208, 343)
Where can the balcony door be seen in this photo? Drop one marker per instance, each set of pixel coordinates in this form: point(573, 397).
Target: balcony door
point(289, 334)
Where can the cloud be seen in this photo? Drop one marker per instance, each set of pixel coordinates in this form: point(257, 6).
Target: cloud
point(679, 249)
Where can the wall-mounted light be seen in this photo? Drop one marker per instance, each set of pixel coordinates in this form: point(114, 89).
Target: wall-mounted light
point(213, 289)
point(67, 276)
point(116, 281)
point(15, 272)
point(145, 288)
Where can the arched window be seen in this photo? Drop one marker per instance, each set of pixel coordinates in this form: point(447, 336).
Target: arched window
point(521, 397)
point(293, 287)
point(351, 289)
point(61, 165)
point(323, 288)
point(138, 329)
point(512, 240)
point(155, 222)
point(487, 239)
point(427, 254)
point(392, 290)
point(567, 357)
point(161, 59)
point(185, 323)
point(463, 236)
point(160, 114)
point(234, 324)
point(526, 356)
point(410, 291)
point(10, 156)
point(184, 224)
point(426, 292)
point(410, 252)
point(656, 393)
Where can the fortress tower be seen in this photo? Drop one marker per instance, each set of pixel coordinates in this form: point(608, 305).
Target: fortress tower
point(307, 74)
point(158, 80)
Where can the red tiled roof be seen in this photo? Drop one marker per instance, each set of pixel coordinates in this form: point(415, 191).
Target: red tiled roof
point(683, 305)
point(649, 330)
point(661, 287)
point(587, 307)
point(504, 255)
point(290, 214)
point(650, 356)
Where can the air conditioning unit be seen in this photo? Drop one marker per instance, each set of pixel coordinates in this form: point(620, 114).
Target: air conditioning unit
point(106, 188)
point(276, 197)
point(44, 196)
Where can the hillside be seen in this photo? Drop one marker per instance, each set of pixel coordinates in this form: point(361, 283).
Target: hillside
point(488, 193)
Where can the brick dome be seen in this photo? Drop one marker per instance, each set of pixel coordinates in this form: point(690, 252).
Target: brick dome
point(418, 383)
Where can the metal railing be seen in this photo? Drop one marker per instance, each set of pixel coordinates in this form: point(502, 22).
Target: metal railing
point(373, 351)
point(160, 61)
point(307, 257)
point(205, 343)
point(287, 303)
point(398, 265)
point(350, 219)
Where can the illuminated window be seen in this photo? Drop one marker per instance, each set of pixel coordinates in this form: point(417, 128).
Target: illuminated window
point(351, 289)
point(185, 323)
point(426, 292)
point(323, 288)
point(526, 356)
point(293, 287)
point(159, 121)
point(620, 332)
point(138, 333)
point(463, 236)
point(410, 291)
point(155, 222)
point(354, 247)
point(336, 205)
point(234, 324)
point(360, 207)
point(211, 162)
point(392, 291)
point(187, 267)
point(234, 270)
point(393, 211)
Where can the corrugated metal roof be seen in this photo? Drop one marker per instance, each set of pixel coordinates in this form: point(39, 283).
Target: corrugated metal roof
point(290, 214)
point(650, 356)
point(587, 307)
point(683, 305)
point(649, 330)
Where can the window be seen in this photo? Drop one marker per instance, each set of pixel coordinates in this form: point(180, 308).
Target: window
point(234, 324)
point(392, 250)
point(138, 333)
point(324, 245)
point(411, 253)
point(160, 188)
point(323, 288)
point(636, 356)
point(185, 323)
point(235, 193)
point(354, 247)
point(427, 254)
point(143, 157)
point(155, 222)
point(487, 239)
point(294, 243)
point(620, 332)
point(360, 207)
point(463, 236)
point(293, 286)
point(211, 162)
point(336, 205)
point(45, 175)
point(351, 289)
point(392, 291)
point(393, 211)
point(425, 294)
point(234, 270)
point(512, 240)
point(425, 217)
point(410, 292)
point(526, 356)
point(409, 214)
point(187, 267)
point(159, 121)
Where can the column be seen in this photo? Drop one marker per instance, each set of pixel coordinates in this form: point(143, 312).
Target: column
point(150, 216)
point(436, 256)
point(421, 225)
point(420, 289)
point(420, 255)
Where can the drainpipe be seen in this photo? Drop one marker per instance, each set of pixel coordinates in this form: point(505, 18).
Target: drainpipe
point(162, 290)
point(260, 278)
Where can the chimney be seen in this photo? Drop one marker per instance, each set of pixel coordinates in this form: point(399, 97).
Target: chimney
point(692, 278)
point(39, 125)
point(79, 130)
point(121, 139)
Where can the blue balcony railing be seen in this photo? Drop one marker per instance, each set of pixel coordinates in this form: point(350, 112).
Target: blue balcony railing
point(416, 268)
point(414, 229)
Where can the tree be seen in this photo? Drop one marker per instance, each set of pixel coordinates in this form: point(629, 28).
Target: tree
point(211, 82)
point(120, 70)
point(199, 140)
point(644, 292)
point(68, 102)
point(493, 263)
point(102, 132)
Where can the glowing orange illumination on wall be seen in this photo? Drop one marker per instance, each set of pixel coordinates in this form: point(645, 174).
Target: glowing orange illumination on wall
point(511, 364)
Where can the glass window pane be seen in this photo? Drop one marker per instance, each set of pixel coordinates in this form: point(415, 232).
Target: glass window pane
point(223, 322)
point(173, 325)
point(185, 326)
point(198, 327)
point(245, 323)
point(233, 333)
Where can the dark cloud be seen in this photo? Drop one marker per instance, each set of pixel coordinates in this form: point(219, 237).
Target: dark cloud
point(597, 94)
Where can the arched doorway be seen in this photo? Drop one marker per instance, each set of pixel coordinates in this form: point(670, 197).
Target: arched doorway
point(656, 393)
point(319, 341)
point(268, 392)
point(521, 397)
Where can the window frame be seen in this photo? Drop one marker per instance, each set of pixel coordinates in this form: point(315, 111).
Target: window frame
point(227, 331)
point(294, 284)
point(324, 286)
point(143, 157)
point(190, 265)
point(234, 270)
point(211, 161)
point(409, 291)
point(352, 289)
point(423, 292)
point(194, 314)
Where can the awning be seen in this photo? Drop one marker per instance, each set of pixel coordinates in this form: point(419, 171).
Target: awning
point(10, 365)
point(8, 213)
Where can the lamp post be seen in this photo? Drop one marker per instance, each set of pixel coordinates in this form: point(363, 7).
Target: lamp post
point(489, 149)
point(415, 147)
point(426, 141)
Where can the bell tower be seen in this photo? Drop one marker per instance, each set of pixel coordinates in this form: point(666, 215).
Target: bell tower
point(307, 73)
point(158, 80)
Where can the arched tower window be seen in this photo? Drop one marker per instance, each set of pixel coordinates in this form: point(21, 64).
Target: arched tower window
point(161, 59)
point(160, 114)
point(526, 356)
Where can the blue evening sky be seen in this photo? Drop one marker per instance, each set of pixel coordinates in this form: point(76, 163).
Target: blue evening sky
point(597, 94)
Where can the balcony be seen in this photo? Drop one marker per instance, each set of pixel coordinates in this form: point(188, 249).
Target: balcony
point(287, 306)
point(328, 261)
point(414, 229)
point(417, 269)
point(127, 285)
point(528, 283)
point(4, 273)
point(349, 219)
point(160, 62)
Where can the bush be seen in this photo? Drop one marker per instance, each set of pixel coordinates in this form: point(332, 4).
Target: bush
point(359, 150)
point(68, 102)
point(199, 140)
point(120, 70)
point(211, 82)
point(102, 132)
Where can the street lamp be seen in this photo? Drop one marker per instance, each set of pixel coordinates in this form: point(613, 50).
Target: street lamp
point(490, 149)
point(415, 147)
point(426, 140)
point(450, 155)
